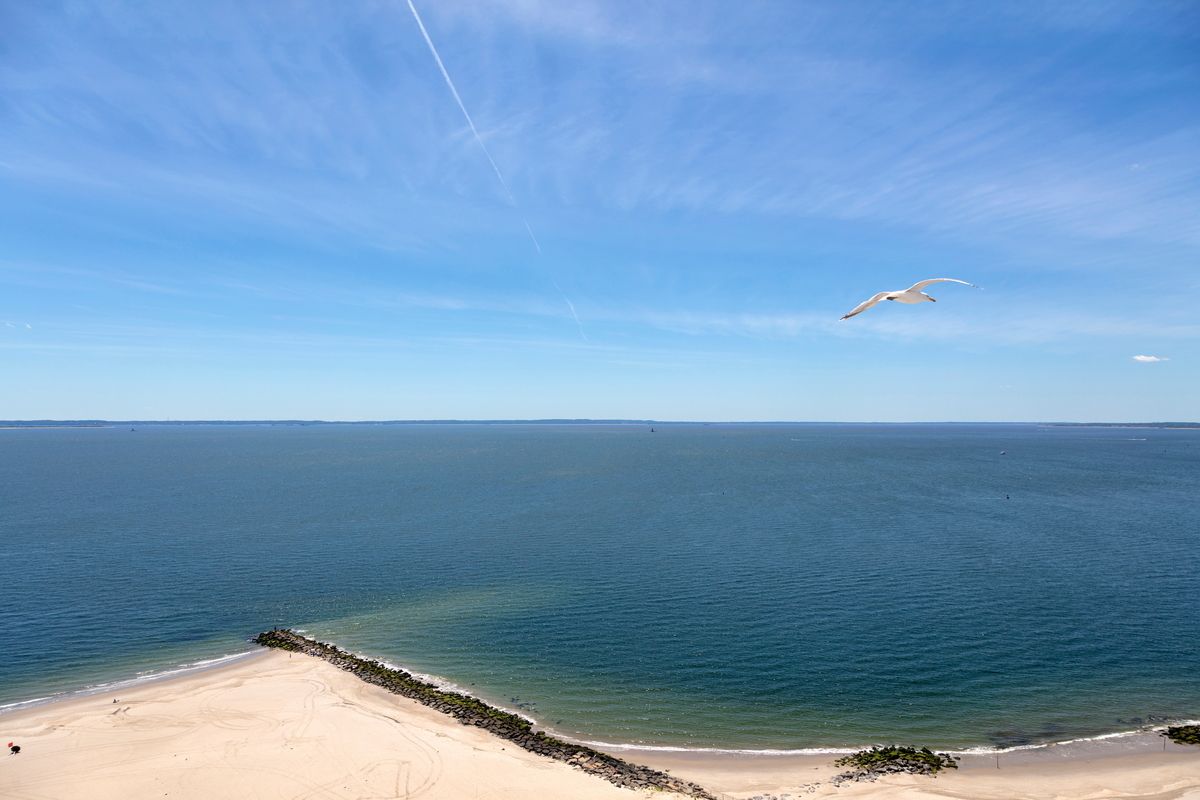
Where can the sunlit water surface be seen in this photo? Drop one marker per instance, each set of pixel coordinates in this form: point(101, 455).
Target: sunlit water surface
point(703, 586)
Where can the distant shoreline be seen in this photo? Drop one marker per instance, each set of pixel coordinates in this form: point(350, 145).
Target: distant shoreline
point(1143, 425)
point(20, 427)
point(101, 423)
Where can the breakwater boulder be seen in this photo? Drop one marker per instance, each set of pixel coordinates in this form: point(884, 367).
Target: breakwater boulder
point(867, 765)
point(1183, 734)
point(473, 711)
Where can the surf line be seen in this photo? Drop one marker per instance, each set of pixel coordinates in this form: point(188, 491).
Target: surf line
point(512, 200)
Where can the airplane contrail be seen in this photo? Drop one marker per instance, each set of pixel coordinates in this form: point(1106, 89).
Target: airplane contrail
point(571, 306)
point(461, 106)
point(495, 167)
point(531, 236)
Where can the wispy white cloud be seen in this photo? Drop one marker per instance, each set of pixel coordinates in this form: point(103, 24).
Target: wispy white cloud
point(865, 132)
point(588, 21)
point(1150, 359)
point(1028, 328)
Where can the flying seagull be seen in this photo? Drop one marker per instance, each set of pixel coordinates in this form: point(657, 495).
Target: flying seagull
point(912, 294)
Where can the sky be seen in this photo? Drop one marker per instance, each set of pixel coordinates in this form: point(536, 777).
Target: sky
point(654, 210)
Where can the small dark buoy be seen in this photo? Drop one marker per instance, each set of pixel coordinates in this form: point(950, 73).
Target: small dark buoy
point(1006, 497)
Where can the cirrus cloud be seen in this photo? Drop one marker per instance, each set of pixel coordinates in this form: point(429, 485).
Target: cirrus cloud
point(1150, 359)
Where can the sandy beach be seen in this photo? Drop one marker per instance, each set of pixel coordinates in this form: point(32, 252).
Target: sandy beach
point(1104, 772)
point(279, 726)
point(269, 727)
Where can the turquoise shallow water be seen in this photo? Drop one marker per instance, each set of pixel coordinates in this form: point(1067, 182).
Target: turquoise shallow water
point(709, 586)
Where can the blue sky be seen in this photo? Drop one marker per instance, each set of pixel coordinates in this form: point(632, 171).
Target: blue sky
point(269, 210)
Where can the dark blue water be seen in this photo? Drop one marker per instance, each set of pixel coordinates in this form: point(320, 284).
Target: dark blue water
point(730, 586)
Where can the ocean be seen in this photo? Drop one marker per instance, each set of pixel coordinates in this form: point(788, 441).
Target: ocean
point(747, 587)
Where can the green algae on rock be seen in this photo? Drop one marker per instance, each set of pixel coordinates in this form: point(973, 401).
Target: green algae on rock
point(870, 764)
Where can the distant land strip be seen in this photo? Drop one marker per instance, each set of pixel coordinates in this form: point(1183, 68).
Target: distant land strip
point(113, 423)
point(1125, 424)
point(472, 711)
point(107, 423)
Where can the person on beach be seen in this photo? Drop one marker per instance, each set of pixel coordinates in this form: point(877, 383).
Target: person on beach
point(13, 749)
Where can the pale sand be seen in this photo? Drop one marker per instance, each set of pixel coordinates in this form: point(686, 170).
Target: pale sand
point(271, 726)
point(1106, 772)
point(280, 726)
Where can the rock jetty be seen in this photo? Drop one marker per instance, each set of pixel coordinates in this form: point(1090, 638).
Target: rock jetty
point(473, 711)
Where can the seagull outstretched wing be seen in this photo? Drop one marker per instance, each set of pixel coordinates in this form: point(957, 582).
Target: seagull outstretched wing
point(919, 285)
point(865, 304)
